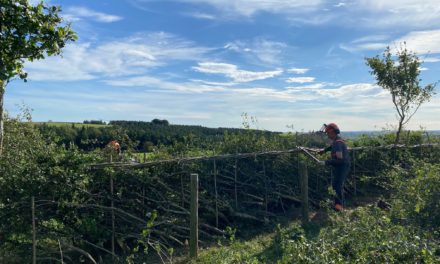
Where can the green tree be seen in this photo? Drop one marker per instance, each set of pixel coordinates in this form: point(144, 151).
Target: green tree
point(400, 76)
point(27, 33)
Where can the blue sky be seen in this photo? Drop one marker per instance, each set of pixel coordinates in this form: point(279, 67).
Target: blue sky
point(205, 62)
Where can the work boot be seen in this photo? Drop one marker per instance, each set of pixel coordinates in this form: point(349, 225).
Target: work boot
point(338, 207)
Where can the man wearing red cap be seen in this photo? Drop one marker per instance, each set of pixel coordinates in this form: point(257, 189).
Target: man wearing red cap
point(339, 161)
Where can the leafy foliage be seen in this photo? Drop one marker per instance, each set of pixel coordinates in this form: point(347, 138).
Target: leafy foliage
point(417, 195)
point(400, 77)
point(30, 33)
point(365, 235)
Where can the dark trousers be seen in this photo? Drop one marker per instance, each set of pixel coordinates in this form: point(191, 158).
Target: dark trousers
point(340, 173)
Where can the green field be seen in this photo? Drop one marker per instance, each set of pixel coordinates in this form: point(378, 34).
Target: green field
point(60, 124)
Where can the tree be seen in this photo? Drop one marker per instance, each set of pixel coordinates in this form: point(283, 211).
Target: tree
point(27, 33)
point(400, 76)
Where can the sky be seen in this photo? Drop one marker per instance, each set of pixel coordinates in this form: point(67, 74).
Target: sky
point(291, 64)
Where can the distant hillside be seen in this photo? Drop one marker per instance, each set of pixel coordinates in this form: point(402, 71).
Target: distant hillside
point(356, 134)
point(75, 124)
point(139, 135)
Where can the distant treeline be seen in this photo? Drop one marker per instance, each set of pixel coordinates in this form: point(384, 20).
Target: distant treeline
point(137, 135)
point(94, 122)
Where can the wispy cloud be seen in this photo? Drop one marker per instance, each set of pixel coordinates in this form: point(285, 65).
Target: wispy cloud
point(300, 79)
point(422, 42)
point(264, 50)
point(409, 13)
point(341, 4)
point(250, 7)
point(79, 12)
point(200, 15)
point(372, 42)
point(156, 83)
point(135, 55)
point(234, 73)
point(358, 90)
point(298, 70)
point(307, 87)
point(431, 59)
point(371, 38)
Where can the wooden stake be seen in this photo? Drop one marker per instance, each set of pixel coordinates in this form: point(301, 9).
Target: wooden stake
point(113, 213)
point(304, 192)
point(182, 191)
point(34, 231)
point(61, 252)
point(194, 221)
point(235, 183)
point(354, 172)
point(265, 188)
point(216, 194)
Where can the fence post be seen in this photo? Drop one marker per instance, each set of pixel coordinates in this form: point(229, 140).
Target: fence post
point(354, 172)
point(216, 194)
point(34, 230)
point(265, 188)
point(235, 183)
point(194, 221)
point(113, 212)
point(304, 192)
point(182, 191)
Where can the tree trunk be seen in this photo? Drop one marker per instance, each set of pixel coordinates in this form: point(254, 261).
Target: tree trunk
point(399, 130)
point(2, 93)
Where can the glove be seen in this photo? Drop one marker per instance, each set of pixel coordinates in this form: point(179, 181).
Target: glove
point(322, 162)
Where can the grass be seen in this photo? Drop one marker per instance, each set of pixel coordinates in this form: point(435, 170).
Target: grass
point(365, 234)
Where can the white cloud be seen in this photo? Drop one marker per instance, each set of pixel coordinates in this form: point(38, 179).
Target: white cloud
point(372, 42)
point(413, 14)
point(431, 59)
point(233, 72)
point(422, 42)
point(135, 55)
point(266, 51)
point(72, 66)
point(371, 38)
point(200, 15)
point(156, 83)
point(225, 84)
point(269, 94)
point(358, 90)
point(410, 13)
point(300, 79)
point(250, 7)
point(307, 87)
point(341, 4)
point(78, 12)
point(298, 70)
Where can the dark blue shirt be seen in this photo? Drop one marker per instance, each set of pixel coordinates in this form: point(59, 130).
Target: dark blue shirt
point(338, 145)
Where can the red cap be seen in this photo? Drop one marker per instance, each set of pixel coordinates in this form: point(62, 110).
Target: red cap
point(332, 126)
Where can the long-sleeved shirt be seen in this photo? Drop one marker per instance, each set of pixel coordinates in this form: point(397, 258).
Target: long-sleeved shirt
point(338, 145)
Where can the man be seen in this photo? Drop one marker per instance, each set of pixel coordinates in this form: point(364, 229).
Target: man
point(339, 161)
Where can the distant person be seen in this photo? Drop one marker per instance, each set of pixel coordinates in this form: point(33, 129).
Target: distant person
point(114, 146)
point(339, 161)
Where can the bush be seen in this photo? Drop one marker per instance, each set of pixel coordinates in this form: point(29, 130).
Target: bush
point(417, 195)
point(366, 235)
